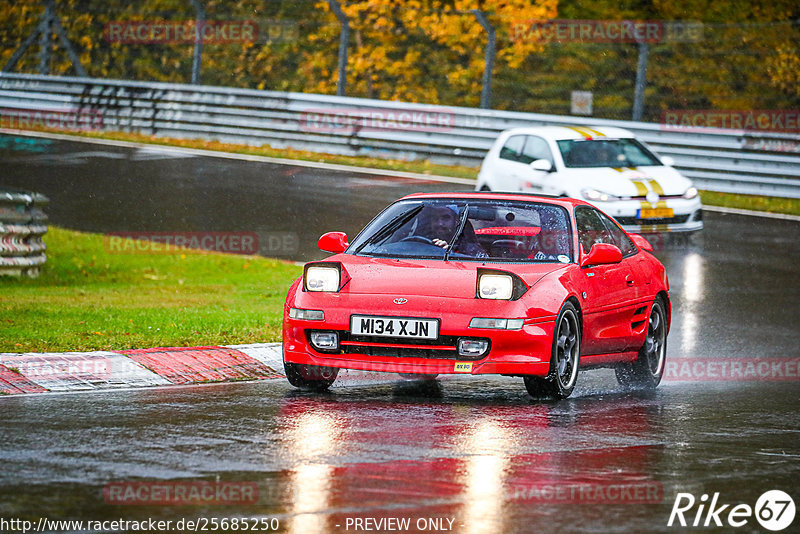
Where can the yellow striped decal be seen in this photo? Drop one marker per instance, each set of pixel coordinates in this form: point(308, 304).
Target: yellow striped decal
point(641, 188)
point(655, 186)
point(653, 228)
point(645, 205)
point(595, 132)
point(581, 131)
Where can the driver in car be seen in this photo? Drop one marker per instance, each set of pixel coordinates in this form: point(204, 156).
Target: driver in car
point(444, 223)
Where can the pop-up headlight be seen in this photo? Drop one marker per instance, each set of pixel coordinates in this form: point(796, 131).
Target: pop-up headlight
point(499, 285)
point(495, 286)
point(323, 277)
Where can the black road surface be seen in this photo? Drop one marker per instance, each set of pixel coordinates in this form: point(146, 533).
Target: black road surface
point(458, 455)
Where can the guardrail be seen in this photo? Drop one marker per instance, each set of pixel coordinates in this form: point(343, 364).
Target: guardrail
point(751, 162)
point(22, 225)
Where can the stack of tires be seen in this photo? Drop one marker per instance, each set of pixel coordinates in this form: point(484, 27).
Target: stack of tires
point(22, 225)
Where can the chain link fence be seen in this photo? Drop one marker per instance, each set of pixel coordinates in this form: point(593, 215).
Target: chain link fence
point(560, 59)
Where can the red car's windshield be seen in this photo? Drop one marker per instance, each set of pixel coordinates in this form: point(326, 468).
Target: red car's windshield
point(474, 229)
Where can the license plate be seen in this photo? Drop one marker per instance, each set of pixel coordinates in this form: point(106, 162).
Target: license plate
point(407, 327)
point(656, 213)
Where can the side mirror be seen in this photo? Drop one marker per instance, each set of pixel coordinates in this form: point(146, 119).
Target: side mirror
point(602, 254)
point(642, 243)
point(335, 242)
point(668, 161)
point(541, 165)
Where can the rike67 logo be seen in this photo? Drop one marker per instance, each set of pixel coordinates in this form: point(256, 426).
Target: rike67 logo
point(774, 510)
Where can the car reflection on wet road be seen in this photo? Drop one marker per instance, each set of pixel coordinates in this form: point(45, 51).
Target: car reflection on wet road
point(462, 454)
point(477, 451)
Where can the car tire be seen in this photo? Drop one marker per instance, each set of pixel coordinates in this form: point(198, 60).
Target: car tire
point(311, 377)
point(647, 370)
point(564, 358)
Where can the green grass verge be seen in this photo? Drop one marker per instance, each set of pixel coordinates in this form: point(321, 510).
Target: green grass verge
point(789, 206)
point(89, 299)
point(710, 198)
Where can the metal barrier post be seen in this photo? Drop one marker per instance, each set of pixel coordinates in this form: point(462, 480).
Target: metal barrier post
point(641, 81)
point(486, 92)
point(46, 38)
point(343, 39)
point(197, 59)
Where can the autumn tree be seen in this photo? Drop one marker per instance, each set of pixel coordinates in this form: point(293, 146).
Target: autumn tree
point(422, 51)
point(432, 51)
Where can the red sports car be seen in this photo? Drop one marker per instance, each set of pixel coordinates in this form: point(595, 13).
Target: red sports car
point(481, 283)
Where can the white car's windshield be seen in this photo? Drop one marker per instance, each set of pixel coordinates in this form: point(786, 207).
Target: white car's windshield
point(475, 229)
point(605, 153)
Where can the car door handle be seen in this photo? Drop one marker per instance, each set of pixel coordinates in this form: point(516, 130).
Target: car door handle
point(629, 281)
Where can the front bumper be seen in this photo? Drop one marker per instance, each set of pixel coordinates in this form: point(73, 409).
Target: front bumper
point(687, 215)
point(525, 351)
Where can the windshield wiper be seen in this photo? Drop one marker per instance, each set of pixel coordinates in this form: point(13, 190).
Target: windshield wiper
point(461, 224)
point(393, 225)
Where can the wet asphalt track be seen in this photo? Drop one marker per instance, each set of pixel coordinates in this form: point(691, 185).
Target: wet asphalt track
point(474, 451)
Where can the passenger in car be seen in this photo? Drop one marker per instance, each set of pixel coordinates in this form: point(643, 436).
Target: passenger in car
point(551, 241)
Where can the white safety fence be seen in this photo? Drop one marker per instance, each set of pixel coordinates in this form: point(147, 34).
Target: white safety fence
point(738, 161)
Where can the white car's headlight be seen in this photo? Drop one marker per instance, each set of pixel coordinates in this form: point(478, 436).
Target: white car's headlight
point(495, 286)
point(598, 196)
point(690, 193)
point(319, 278)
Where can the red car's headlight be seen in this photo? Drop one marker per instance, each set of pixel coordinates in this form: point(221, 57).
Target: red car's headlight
point(322, 279)
point(495, 286)
point(499, 285)
point(324, 276)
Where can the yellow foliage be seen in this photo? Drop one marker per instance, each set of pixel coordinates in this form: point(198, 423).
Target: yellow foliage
point(404, 51)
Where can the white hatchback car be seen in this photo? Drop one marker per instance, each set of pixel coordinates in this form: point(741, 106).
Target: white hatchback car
point(605, 166)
